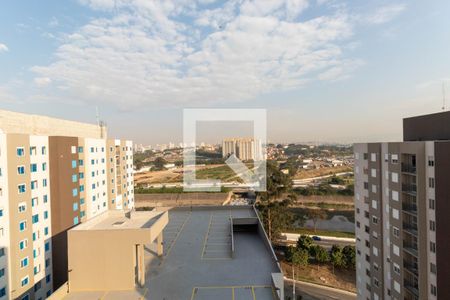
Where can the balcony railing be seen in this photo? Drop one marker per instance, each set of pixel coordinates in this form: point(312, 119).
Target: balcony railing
point(409, 188)
point(412, 288)
point(411, 248)
point(411, 267)
point(406, 168)
point(410, 228)
point(409, 207)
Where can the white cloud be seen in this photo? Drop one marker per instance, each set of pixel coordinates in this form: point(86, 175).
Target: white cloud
point(147, 53)
point(386, 13)
point(3, 48)
point(53, 22)
point(42, 81)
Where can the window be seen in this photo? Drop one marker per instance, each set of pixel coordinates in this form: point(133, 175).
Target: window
point(45, 197)
point(394, 158)
point(2, 252)
point(33, 168)
point(74, 192)
point(37, 286)
point(75, 221)
point(48, 278)
point(433, 268)
point(34, 202)
point(395, 213)
point(75, 206)
point(25, 282)
point(394, 177)
point(32, 150)
point(22, 207)
point(92, 162)
point(432, 225)
point(374, 188)
point(73, 149)
point(20, 151)
point(397, 286)
point(432, 203)
point(47, 246)
point(23, 244)
point(46, 231)
point(81, 175)
point(74, 164)
point(80, 149)
point(20, 170)
point(3, 290)
point(44, 166)
point(47, 262)
point(397, 268)
point(395, 231)
point(43, 150)
point(431, 182)
point(34, 184)
point(373, 157)
point(35, 218)
point(82, 213)
point(433, 247)
point(430, 161)
point(44, 182)
point(37, 269)
point(374, 204)
point(433, 290)
point(81, 188)
point(21, 188)
point(374, 220)
point(395, 195)
point(92, 149)
point(373, 172)
point(74, 178)
point(2, 273)
point(80, 162)
point(23, 225)
point(375, 251)
point(81, 201)
point(396, 250)
point(24, 262)
point(45, 214)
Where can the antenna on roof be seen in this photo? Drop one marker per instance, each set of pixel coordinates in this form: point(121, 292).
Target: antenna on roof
point(97, 116)
point(443, 96)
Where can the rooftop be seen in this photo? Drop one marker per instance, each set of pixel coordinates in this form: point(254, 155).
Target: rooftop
point(117, 219)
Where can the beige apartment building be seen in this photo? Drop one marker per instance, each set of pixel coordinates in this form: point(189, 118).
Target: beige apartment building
point(402, 208)
point(243, 148)
point(54, 174)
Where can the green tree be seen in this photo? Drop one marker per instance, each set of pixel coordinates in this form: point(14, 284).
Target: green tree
point(289, 253)
point(337, 257)
point(273, 209)
point(159, 163)
point(349, 256)
point(321, 255)
point(304, 242)
point(300, 258)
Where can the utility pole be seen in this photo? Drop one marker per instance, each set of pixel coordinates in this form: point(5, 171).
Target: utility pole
point(293, 282)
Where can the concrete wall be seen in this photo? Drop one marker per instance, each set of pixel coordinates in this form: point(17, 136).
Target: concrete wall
point(12, 122)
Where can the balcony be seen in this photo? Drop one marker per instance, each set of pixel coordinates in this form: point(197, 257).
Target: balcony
point(411, 267)
point(411, 248)
point(409, 188)
point(410, 207)
point(410, 169)
point(413, 289)
point(410, 228)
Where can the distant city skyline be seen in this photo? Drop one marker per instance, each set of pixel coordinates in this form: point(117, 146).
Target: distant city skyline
point(325, 70)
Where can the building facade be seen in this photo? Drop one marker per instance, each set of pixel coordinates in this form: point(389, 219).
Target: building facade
point(401, 202)
point(49, 184)
point(243, 148)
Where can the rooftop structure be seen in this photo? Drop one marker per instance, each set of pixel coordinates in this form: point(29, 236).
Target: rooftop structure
point(219, 252)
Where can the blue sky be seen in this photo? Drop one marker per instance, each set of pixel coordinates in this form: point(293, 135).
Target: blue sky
point(325, 70)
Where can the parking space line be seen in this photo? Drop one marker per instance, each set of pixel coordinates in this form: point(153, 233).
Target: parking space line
point(196, 289)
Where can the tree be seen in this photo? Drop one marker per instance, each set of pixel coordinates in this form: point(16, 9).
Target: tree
point(316, 215)
point(300, 258)
point(159, 163)
point(274, 211)
point(304, 242)
point(337, 257)
point(321, 255)
point(289, 253)
point(349, 256)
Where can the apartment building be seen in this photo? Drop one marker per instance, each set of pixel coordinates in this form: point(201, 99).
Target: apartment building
point(243, 148)
point(401, 202)
point(49, 184)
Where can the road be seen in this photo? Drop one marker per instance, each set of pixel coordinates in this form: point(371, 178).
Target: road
point(310, 291)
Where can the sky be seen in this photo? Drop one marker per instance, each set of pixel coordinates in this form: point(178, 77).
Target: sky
point(325, 70)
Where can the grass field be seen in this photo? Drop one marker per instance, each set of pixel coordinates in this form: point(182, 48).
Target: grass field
point(349, 214)
point(320, 232)
point(302, 174)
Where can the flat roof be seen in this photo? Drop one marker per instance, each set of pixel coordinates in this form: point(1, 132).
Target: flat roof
point(117, 219)
point(198, 264)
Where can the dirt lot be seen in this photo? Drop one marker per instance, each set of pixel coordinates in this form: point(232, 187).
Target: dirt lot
point(302, 174)
point(344, 279)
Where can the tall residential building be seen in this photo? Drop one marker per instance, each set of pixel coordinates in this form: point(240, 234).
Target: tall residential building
point(402, 202)
point(243, 148)
point(54, 174)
